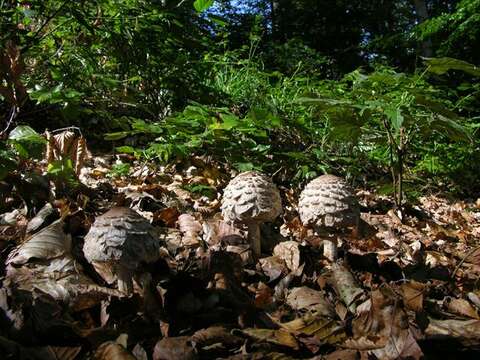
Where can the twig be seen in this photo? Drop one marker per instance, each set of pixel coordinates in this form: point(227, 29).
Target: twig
point(13, 115)
point(463, 260)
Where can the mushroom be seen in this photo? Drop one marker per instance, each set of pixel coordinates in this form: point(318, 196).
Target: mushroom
point(251, 199)
point(118, 242)
point(328, 204)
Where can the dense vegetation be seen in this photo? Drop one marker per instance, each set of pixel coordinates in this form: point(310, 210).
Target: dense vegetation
point(370, 90)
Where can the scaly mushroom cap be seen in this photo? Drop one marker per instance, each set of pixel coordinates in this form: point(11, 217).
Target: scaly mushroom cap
point(327, 202)
point(121, 238)
point(251, 196)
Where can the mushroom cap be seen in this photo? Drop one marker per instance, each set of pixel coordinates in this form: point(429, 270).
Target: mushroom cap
point(251, 196)
point(121, 237)
point(327, 202)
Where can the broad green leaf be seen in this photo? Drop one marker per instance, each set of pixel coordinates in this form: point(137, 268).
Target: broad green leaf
point(450, 128)
point(126, 149)
point(117, 135)
point(202, 5)
point(228, 122)
point(394, 115)
point(24, 132)
point(442, 65)
point(322, 101)
point(245, 166)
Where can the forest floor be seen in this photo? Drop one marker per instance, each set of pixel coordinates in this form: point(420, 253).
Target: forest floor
point(400, 289)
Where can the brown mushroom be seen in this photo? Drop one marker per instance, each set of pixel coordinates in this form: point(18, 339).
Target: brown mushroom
point(251, 199)
point(118, 242)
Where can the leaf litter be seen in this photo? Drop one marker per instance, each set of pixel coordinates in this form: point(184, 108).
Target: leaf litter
point(399, 290)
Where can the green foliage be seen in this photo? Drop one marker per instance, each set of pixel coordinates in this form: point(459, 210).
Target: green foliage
point(391, 109)
point(455, 33)
point(63, 173)
point(441, 65)
point(8, 161)
point(202, 5)
point(27, 142)
point(202, 190)
point(119, 170)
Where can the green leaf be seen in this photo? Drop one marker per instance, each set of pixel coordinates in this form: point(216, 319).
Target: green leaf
point(442, 65)
point(126, 150)
point(117, 135)
point(228, 122)
point(24, 132)
point(450, 128)
point(394, 115)
point(245, 166)
point(202, 5)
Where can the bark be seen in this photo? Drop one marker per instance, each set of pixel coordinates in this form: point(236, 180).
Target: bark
point(422, 15)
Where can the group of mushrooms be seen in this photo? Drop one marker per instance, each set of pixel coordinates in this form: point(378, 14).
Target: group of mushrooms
point(120, 240)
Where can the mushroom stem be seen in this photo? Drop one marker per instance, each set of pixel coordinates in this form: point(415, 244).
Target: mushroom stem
point(254, 237)
point(124, 280)
point(330, 249)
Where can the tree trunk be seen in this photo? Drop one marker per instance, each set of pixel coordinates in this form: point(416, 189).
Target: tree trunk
point(274, 8)
point(422, 15)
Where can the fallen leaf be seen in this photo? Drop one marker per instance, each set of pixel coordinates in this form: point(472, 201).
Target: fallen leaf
point(49, 243)
point(273, 267)
point(383, 329)
point(289, 252)
point(214, 335)
point(279, 337)
point(323, 329)
point(460, 307)
point(168, 216)
point(304, 298)
point(174, 348)
point(190, 228)
point(412, 292)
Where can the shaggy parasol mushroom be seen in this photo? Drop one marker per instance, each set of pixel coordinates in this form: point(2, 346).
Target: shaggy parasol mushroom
point(251, 199)
point(328, 204)
point(118, 242)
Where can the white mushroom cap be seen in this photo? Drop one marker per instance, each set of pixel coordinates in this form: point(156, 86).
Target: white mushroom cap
point(328, 202)
point(251, 196)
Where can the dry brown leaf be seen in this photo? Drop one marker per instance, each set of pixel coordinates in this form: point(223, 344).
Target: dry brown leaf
point(273, 267)
point(190, 228)
point(49, 243)
point(174, 348)
point(139, 352)
point(214, 335)
point(168, 216)
point(112, 351)
point(342, 355)
point(461, 307)
point(304, 298)
point(412, 292)
point(45, 215)
point(324, 330)
point(263, 296)
point(383, 329)
point(63, 353)
point(81, 153)
point(289, 252)
point(279, 337)
point(67, 145)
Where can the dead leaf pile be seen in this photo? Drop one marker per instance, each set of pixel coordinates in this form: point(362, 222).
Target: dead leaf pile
point(399, 290)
